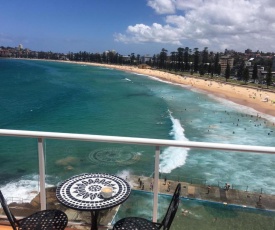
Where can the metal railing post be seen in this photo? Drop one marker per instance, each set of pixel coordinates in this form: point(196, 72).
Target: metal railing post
point(156, 185)
point(41, 159)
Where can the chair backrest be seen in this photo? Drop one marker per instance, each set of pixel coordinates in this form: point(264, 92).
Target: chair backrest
point(7, 211)
point(173, 207)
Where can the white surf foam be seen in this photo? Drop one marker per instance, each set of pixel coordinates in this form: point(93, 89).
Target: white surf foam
point(127, 79)
point(140, 74)
point(23, 190)
point(174, 157)
point(240, 108)
point(126, 175)
point(166, 81)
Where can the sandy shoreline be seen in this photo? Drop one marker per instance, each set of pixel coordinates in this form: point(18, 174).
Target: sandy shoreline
point(250, 97)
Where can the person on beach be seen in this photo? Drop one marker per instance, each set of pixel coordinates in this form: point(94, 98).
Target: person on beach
point(151, 186)
point(226, 187)
point(259, 202)
point(184, 212)
point(208, 189)
point(165, 180)
point(168, 186)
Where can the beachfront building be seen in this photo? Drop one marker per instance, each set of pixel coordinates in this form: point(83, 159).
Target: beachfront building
point(126, 58)
point(146, 58)
point(20, 47)
point(263, 74)
point(248, 51)
point(223, 62)
point(248, 64)
point(5, 53)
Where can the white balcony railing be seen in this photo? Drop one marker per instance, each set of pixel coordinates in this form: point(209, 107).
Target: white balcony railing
point(41, 136)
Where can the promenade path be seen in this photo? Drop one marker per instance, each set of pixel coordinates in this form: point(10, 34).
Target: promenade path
point(216, 194)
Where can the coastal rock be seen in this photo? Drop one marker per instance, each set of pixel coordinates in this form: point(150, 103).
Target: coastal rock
point(67, 161)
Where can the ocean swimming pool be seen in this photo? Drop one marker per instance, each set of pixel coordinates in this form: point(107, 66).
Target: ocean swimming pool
point(198, 214)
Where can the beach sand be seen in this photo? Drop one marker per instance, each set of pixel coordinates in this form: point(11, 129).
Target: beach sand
point(243, 95)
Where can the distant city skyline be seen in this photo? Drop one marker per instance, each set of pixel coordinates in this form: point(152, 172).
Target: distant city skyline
point(138, 26)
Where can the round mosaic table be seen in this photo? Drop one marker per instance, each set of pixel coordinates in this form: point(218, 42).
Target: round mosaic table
point(83, 192)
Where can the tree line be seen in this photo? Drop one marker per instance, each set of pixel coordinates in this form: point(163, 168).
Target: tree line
point(182, 60)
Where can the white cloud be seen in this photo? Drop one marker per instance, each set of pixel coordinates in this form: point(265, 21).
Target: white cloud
point(185, 4)
point(233, 24)
point(154, 33)
point(163, 6)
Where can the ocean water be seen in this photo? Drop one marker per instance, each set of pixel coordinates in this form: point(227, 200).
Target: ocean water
point(63, 97)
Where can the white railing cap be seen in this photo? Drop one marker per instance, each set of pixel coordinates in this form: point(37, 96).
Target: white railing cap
point(135, 140)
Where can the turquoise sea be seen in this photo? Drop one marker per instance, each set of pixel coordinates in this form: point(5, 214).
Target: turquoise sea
point(64, 97)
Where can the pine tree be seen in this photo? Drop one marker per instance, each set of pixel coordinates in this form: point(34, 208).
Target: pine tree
point(216, 64)
point(227, 72)
point(246, 75)
point(196, 60)
point(268, 77)
point(255, 72)
point(240, 71)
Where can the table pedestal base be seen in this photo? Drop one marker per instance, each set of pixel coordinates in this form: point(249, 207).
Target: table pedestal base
point(94, 217)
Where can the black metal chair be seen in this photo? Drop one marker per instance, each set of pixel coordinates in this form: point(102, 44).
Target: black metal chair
point(42, 220)
point(137, 223)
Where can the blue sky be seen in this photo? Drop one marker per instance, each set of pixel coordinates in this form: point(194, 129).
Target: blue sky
point(137, 26)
